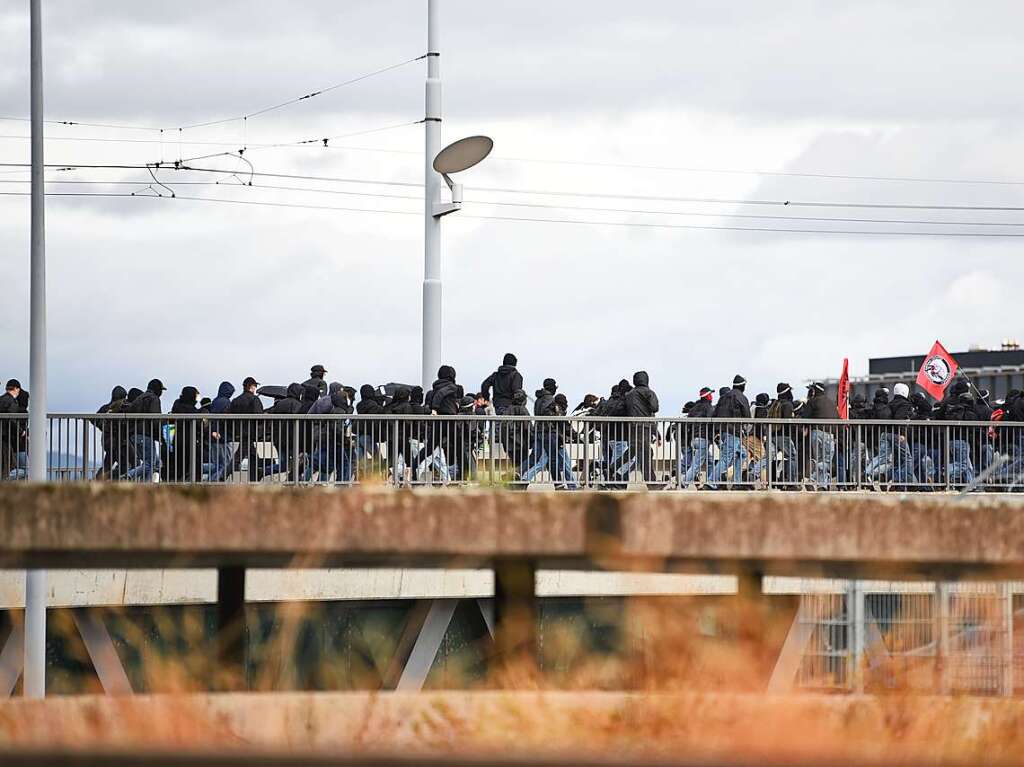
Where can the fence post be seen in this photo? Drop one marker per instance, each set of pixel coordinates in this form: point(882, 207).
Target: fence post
point(1006, 600)
point(856, 614)
point(193, 442)
point(85, 449)
point(492, 449)
point(295, 452)
point(942, 619)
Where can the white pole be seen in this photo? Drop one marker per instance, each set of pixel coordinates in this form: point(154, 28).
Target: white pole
point(35, 582)
point(432, 190)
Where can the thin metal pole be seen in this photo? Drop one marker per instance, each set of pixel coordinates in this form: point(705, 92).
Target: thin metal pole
point(35, 581)
point(432, 180)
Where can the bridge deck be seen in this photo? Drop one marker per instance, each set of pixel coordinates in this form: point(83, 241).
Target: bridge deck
point(847, 535)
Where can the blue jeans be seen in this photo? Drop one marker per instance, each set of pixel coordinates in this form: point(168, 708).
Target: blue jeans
point(823, 449)
point(961, 469)
point(924, 467)
point(614, 450)
point(545, 446)
point(698, 458)
point(882, 462)
point(732, 454)
point(147, 453)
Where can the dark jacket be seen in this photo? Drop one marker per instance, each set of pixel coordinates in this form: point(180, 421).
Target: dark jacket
point(289, 405)
point(444, 397)
point(641, 402)
point(702, 408)
point(732, 404)
point(369, 404)
point(820, 407)
point(220, 404)
point(109, 430)
point(505, 382)
point(901, 408)
point(880, 410)
point(147, 403)
point(245, 404)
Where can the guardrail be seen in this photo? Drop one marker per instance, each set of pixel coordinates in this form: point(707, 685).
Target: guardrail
point(570, 453)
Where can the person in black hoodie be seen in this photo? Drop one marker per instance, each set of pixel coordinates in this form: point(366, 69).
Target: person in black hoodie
point(148, 432)
point(219, 435)
point(282, 431)
point(115, 442)
point(699, 438)
point(401, 454)
point(613, 434)
point(732, 404)
point(516, 436)
point(879, 437)
point(444, 398)
point(641, 402)
point(962, 408)
point(368, 430)
point(547, 452)
point(505, 382)
point(185, 452)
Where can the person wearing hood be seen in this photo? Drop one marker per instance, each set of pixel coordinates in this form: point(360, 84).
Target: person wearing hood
point(116, 452)
point(445, 394)
point(732, 404)
point(700, 439)
point(148, 432)
point(923, 453)
point(185, 448)
point(641, 402)
point(960, 438)
point(282, 431)
point(548, 439)
point(401, 454)
point(516, 435)
point(367, 429)
point(901, 409)
point(505, 382)
point(613, 434)
point(220, 436)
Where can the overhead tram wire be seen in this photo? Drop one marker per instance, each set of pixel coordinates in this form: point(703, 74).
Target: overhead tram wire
point(523, 219)
point(501, 203)
point(170, 166)
point(242, 117)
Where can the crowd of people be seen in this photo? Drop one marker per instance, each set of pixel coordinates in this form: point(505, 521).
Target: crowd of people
point(716, 443)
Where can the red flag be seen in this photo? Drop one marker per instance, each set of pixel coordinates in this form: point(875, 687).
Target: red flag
point(844, 390)
point(937, 371)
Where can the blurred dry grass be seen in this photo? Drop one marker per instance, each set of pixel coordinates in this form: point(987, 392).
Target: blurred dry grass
point(686, 677)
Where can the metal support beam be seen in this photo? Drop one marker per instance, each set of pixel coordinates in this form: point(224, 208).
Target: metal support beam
point(231, 633)
point(428, 642)
point(11, 660)
point(102, 652)
point(788, 665)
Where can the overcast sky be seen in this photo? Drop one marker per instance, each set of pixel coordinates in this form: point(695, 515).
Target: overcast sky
point(195, 292)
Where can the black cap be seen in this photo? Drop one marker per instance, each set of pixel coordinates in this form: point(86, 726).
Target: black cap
point(816, 387)
point(318, 369)
point(14, 383)
point(250, 381)
point(509, 359)
point(156, 386)
point(762, 399)
point(738, 380)
point(783, 388)
point(205, 401)
point(550, 385)
point(705, 390)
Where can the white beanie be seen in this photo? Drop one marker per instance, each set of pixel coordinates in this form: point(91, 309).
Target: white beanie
point(901, 390)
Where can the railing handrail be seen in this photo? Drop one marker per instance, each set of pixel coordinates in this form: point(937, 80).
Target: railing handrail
point(120, 417)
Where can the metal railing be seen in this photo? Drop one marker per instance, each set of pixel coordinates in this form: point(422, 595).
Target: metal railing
point(569, 453)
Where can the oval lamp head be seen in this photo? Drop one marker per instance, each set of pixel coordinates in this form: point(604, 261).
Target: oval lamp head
point(463, 154)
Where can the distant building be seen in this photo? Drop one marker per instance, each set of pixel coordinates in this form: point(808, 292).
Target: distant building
point(998, 370)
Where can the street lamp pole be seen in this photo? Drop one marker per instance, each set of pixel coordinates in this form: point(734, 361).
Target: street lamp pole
point(432, 191)
point(35, 581)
